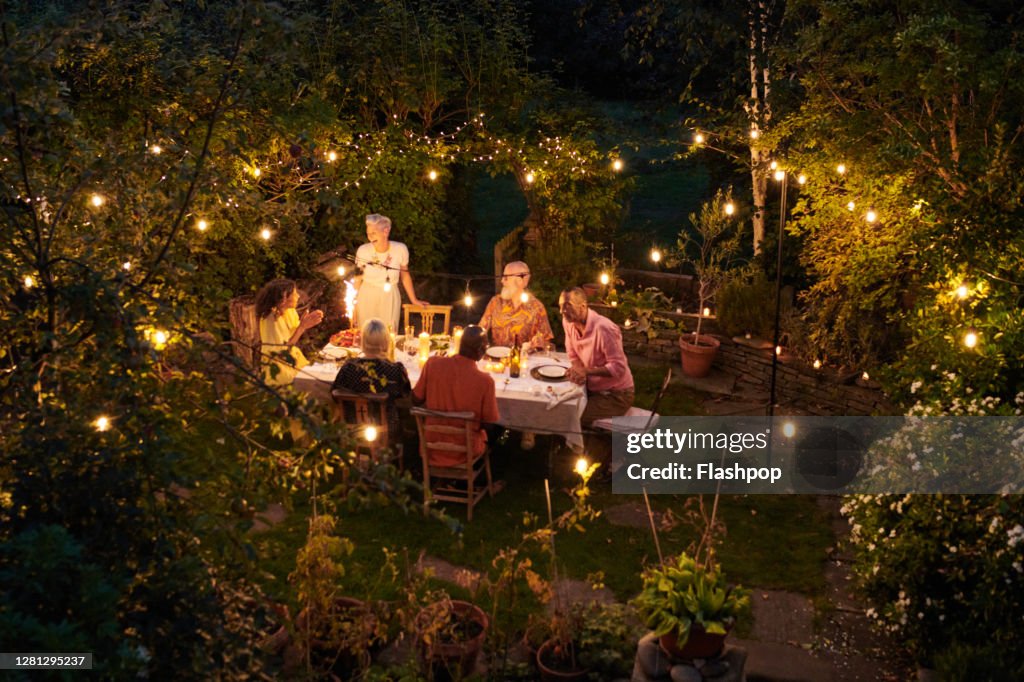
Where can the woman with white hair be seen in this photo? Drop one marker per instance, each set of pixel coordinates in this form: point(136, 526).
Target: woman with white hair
point(383, 263)
point(374, 373)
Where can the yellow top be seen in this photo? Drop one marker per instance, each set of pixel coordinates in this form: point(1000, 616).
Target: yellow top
point(275, 330)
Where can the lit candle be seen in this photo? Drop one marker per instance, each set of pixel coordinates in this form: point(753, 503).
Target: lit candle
point(453, 348)
point(424, 348)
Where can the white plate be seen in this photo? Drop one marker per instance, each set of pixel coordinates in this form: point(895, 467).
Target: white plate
point(553, 371)
point(499, 352)
point(335, 352)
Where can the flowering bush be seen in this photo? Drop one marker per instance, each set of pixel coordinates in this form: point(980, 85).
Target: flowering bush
point(942, 569)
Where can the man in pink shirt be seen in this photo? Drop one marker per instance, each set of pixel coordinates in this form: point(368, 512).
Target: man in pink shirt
point(594, 345)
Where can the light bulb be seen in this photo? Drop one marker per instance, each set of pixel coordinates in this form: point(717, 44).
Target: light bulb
point(467, 300)
point(156, 149)
point(778, 350)
point(341, 271)
point(370, 434)
point(865, 376)
point(201, 225)
point(841, 168)
point(29, 281)
point(524, 297)
point(159, 339)
point(387, 287)
point(707, 312)
point(127, 265)
point(432, 175)
point(780, 174)
point(754, 134)
point(582, 465)
point(698, 138)
point(801, 179)
point(961, 291)
point(788, 429)
point(655, 255)
point(332, 156)
point(817, 364)
point(102, 424)
point(96, 200)
point(970, 339)
point(256, 172)
point(265, 234)
point(529, 178)
point(850, 206)
point(871, 216)
point(605, 278)
point(773, 165)
point(730, 208)
point(617, 165)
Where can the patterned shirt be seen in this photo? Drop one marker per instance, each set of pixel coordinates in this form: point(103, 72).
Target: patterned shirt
point(506, 319)
point(374, 375)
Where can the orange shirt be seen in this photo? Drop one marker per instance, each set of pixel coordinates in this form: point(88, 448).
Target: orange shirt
point(456, 385)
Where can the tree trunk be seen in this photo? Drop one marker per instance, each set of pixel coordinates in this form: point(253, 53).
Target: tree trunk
point(245, 329)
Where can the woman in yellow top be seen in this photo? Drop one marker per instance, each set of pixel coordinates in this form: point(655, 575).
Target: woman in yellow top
point(281, 329)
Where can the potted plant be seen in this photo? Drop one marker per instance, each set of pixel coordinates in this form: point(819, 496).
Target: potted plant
point(710, 249)
point(450, 634)
point(593, 639)
point(690, 607)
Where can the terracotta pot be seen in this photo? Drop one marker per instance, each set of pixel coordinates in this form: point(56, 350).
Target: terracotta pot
point(699, 644)
point(550, 674)
point(591, 289)
point(458, 659)
point(697, 358)
point(328, 655)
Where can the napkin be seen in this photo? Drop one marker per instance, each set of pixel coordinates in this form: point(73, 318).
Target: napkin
point(557, 397)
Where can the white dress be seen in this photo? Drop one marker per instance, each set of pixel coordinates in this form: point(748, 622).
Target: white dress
point(378, 270)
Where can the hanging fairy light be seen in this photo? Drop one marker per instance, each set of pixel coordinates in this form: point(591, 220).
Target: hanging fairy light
point(370, 433)
point(97, 200)
point(159, 339)
point(582, 465)
point(971, 339)
point(773, 165)
point(730, 208)
point(754, 134)
point(524, 297)
point(265, 234)
point(841, 169)
point(529, 178)
point(387, 286)
point(707, 312)
point(778, 350)
point(865, 376)
point(850, 206)
point(332, 156)
point(605, 279)
point(29, 281)
point(962, 292)
point(342, 270)
point(871, 216)
point(467, 300)
point(127, 265)
point(432, 175)
point(655, 255)
point(789, 429)
point(801, 179)
point(817, 364)
point(256, 172)
point(156, 149)
point(101, 423)
point(617, 165)
point(780, 174)
point(202, 225)
point(698, 138)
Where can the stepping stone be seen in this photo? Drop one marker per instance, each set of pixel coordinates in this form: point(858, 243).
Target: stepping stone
point(782, 617)
point(774, 662)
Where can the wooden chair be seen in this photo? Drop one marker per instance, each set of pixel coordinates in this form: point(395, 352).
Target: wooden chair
point(427, 313)
point(468, 471)
point(652, 415)
point(370, 409)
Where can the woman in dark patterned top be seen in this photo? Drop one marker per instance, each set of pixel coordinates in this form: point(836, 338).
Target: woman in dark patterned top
point(374, 373)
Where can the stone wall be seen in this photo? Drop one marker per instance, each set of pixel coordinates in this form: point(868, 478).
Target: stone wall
point(819, 391)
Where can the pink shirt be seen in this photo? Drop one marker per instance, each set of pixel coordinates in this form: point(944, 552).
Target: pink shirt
point(600, 345)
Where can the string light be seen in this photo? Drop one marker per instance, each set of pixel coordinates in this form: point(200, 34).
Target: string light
point(524, 297)
point(778, 350)
point(332, 156)
point(841, 169)
point(707, 312)
point(730, 208)
point(961, 292)
point(127, 265)
point(754, 134)
point(617, 165)
point(529, 178)
point(342, 271)
point(871, 216)
point(159, 339)
point(265, 234)
point(971, 339)
point(698, 138)
point(467, 300)
point(850, 206)
point(201, 225)
point(256, 172)
point(582, 465)
point(432, 175)
point(655, 255)
point(817, 364)
point(29, 281)
point(801, 179)
point(773, 165)
point(788, 429)
point(605, 279)
point(156, 149)
point(779, 175)
point(101, 424)
point(370, 433)
point(865, 376)
point(96, 200)
point(387, 286)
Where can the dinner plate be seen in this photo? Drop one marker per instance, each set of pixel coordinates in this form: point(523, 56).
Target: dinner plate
point(334, 352)
point(499, 352)
point(553, 371)
point(535, 373)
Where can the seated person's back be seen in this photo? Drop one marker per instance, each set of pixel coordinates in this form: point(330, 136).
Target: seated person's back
point(455, 384)
point(374, 374)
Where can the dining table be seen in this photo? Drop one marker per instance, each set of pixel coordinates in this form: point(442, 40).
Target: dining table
point(532, 402)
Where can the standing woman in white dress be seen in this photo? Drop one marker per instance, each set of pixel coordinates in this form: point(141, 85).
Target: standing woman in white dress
point(384, 263)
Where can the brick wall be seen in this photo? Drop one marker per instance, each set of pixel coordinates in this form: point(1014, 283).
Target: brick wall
point(819, 391)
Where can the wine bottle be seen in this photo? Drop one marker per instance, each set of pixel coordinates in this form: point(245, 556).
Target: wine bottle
point(514, 360)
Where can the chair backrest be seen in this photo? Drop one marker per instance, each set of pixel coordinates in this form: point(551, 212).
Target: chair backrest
point(245, 329)
point(657, 399)
point(427, 313)
point(368, 408)
point(457, 426)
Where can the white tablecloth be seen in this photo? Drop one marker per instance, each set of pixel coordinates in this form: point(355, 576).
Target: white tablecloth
point(523, 403)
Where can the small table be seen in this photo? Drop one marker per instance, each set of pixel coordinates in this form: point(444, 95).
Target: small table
point(524, 404)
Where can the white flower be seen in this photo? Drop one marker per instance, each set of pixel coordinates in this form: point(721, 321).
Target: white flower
point(916, 385)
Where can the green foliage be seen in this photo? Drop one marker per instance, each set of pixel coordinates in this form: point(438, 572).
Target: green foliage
point(746, 304)
point(684, 593)
point(942, 572)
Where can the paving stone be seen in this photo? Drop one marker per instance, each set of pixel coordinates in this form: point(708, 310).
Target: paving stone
point(774, 662)
point(782, 617)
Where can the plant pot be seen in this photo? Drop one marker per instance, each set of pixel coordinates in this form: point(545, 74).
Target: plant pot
point(699, 644)
point(342, 658)
point(547, 664)
point(457, 658)
point(697, 358)
point(591, 289)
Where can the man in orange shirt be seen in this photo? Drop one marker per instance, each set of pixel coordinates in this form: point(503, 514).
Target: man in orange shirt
point(454, 384)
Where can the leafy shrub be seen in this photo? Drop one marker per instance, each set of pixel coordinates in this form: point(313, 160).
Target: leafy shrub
point(746, 304)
